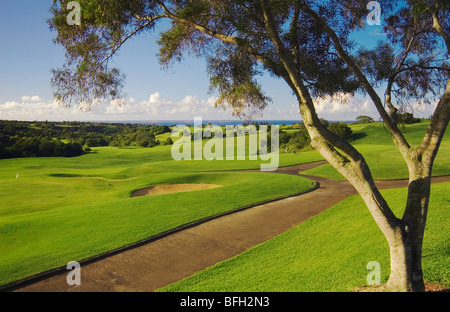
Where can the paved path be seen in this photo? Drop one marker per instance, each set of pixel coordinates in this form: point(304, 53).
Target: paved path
point(179, 255)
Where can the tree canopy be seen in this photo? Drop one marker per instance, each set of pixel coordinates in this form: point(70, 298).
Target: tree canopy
point(307, 44)
point(411, 61)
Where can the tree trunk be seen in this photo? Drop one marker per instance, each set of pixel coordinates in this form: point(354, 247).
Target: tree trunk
point(406, 246)
point(406, 264)
point(404, 236)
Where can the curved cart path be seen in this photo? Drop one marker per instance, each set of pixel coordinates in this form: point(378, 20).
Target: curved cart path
point(179, 255)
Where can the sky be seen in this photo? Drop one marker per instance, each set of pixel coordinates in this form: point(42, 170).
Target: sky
point(27, 54)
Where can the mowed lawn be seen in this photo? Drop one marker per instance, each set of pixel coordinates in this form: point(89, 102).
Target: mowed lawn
point(385, 161)
point(329, 252)
point(68, 209)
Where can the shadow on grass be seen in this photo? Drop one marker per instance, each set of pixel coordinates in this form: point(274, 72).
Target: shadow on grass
point(63, 175)
point(357, 136)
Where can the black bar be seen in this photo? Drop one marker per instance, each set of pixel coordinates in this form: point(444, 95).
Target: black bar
point(226, 301)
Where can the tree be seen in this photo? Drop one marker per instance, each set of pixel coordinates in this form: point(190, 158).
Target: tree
point(306, 44)
point(364, 119)
point(341, 129)
point(168, 141)
point(47, 149)
point(407, 118)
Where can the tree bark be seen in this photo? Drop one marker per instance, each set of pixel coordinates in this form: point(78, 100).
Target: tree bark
point(406, 247)
point(406, 265)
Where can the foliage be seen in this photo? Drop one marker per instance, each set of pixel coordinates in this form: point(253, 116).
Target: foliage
point(324, 122)
point(45, 139)
point(307, 44)
point(364, 119)
point(236, 39)
point(301, 139)
point(168, 141)
point(296, 140)
point(407, 118)
point(342, 129)
point(242, 52)
point(15, 146)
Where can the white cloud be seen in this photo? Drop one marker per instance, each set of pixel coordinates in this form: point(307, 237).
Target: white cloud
point(11, 105)
point(155, 99)
point(343, 103)
point(422, 109)
point(161, 107)
point(116, 107)
point(28, 110)
point(34, 98)
point(348, 107)
point(156, 107)
point(344, 106)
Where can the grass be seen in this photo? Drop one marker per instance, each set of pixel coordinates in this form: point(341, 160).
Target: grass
point(383, 158)
point(51, 214)
point(326, 255)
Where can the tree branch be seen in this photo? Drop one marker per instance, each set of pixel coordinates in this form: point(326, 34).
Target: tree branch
point(201, 28)
point(436, 130)
point(305, 101)
point(388, 93)
point(437, 26)
point(354, 169)
point(119, 45)
point(294, 34)
point(396, 134)
point(266, 61)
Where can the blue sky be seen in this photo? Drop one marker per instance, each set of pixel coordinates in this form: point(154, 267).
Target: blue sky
point(27, 54)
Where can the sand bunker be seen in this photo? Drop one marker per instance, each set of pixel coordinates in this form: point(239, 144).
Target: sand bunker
point(173, 188)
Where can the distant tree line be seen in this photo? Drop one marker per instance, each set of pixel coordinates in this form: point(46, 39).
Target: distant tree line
point(403, 118)
point(301, 139)
point(68, 139)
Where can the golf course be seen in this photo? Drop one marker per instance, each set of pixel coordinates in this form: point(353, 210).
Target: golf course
point(60, 209)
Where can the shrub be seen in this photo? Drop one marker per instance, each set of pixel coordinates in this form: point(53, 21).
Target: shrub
point(407, 118)
point(364, 119)
point(342, 129)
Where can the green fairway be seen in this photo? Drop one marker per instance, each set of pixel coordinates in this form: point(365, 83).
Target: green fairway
point(375, 144)
point(248, 147)
point(65, 209)
point(329, 252)
point(55, 210)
